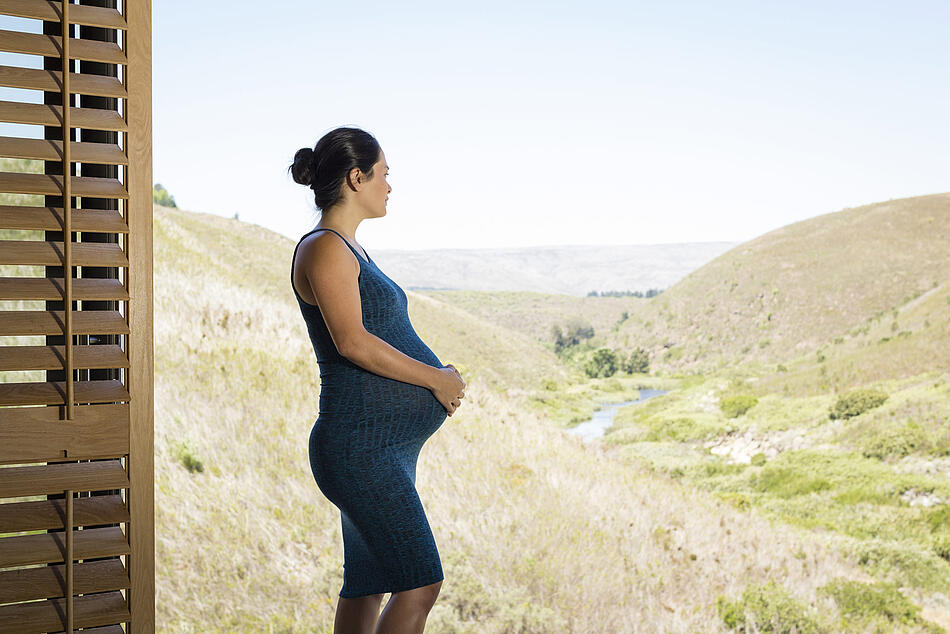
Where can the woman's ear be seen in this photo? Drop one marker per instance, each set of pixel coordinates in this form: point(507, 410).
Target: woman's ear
point(354, 179)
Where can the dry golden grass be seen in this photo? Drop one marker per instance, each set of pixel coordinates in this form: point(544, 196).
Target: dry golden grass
point(538, 532)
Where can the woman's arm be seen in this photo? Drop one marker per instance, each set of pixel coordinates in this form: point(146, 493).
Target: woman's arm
point(333, 272)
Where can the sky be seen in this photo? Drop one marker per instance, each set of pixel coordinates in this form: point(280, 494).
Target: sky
point(554, 123)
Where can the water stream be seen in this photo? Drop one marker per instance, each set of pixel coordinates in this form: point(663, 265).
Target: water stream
point(604, 417)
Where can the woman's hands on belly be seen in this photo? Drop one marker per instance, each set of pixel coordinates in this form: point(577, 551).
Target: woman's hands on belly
point(449, 388)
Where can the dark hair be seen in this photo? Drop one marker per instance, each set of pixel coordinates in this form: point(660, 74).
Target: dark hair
point(325, 167)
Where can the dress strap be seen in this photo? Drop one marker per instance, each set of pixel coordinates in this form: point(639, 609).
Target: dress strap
point(357, 253)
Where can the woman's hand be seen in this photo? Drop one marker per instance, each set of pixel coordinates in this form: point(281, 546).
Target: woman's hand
point(449, 388)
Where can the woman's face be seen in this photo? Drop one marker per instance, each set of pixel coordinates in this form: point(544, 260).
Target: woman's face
point(377, 188)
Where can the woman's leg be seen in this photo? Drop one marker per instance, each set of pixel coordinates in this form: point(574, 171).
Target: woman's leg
point(406, 612)
point(357, 615)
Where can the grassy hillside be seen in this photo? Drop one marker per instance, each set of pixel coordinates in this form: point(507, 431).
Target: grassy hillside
point(794, 289)
point(878, 481)
point(538, 532)
point(687, 516)
point(535, 313)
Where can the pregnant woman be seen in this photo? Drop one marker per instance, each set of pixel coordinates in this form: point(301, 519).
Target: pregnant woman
point(383, 392)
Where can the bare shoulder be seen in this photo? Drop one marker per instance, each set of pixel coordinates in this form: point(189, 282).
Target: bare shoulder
point(325, 249)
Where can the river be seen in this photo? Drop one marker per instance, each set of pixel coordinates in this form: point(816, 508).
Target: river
point(604, 417)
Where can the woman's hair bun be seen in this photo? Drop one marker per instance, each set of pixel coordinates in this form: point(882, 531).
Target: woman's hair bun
point(303, 166)
point(325, 167)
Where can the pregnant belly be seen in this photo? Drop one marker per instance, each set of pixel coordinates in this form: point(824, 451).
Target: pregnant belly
point(365, 410)
point(410, 412)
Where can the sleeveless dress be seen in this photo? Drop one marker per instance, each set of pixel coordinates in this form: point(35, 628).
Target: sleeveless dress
point(366, 440)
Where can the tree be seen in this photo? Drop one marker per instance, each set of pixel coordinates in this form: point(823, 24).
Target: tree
point(602, 364)
point(638, 361)
point(160, 196)
point(575, 331)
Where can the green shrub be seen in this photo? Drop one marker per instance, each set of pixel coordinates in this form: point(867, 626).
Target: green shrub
point(894, 442)
point(718, 467)
point(758, 459)
point(868, 601)
point(784, 482)
point(767, 608)
point(575, 331)
point(939, 519)
point(185, 454)
point(941, 547)
point(904, 563)
point(735, 406)
point(863, 495)
point(856, 402)
point(161, 196)
point(678, 429)
point(740, 501)
point(638, 361)
point(602, 364)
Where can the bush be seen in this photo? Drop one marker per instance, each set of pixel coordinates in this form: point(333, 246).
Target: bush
point(784, 482)
point(575, 331)
point(856, 402)
point(739, 500)
point(894, 441)
point(734, 406)
point(868, 601)
point(941, 547)
point(758, 459)
point(185, 454)
point(767, 608)
point(678, 429)
point(939, 519)
point(638, 361)
point(602, 364)
point(904, 563)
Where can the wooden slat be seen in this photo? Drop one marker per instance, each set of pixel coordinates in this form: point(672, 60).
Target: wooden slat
point(51, 46)
point(108, 629)
point(52, 185)
point(19, 358)
point(41, 322)
point(51, 288)
point(51, 219)
point(51, 11)
point(47, 548)
point(47, 582)
point(52, 80)
point(41, 253)
point(36, 434)
point(52, 150)
point(54, 393)
point(50, 514)
point(101, 475)
point(46, 114)
point(49, 616)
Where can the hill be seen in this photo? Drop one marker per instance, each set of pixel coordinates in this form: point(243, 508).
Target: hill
point(537, 531)
point(795, 289)
point(570, 269)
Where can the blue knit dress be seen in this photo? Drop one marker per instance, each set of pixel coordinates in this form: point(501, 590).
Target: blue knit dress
point(366, 440)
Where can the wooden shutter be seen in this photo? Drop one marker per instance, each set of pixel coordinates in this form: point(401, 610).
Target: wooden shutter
point(76, 428)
